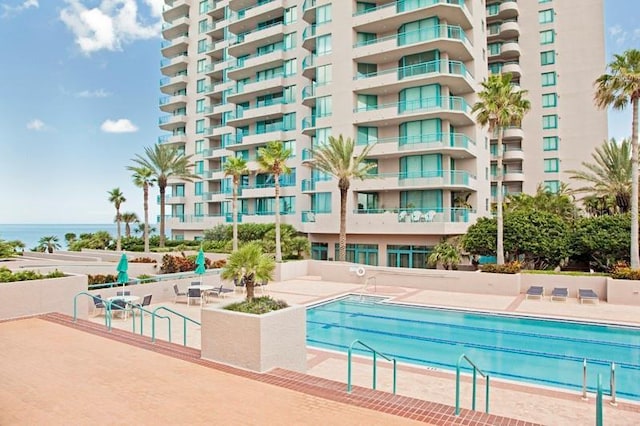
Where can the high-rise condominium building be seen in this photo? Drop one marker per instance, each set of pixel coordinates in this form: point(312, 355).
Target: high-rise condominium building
point(401, 74)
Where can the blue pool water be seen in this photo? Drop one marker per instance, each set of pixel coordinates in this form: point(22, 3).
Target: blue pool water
point(534, 350)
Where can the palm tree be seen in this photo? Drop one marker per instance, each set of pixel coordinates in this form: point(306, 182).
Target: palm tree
point(143, 178)
point(235, 167)
point(446, 254)
point(499, 107)
point(608, 177)
point(617, 90)
point(48, 244)
point(165, 162)
point(336, 157)
point(128, 218)
point(117, 198)
point(250, 264)
point(271, 159)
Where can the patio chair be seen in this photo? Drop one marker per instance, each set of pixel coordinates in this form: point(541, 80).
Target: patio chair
point(402, 216)
point(560, 293)
point(219, 291)
point(179, 294)
point(535, 291)
point(123, 293)
point(588, 294)
point(239, 285)
point(416, 216)
point(430, 215)
point(194, 293)
point(98, 304)
point(121, 307)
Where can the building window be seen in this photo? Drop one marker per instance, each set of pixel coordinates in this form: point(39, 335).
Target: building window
point(323, 14)
point(200, 105)
point(549, 78)
point(202, 65)
point(549, 100)
point(366, 254)
point(407, 256)
point(290, 67)
point(203, 6)
point(550, 143)
point(201, 85)
point(548, 57)
point(202, 26)
point(199, 126)
point(323, 106)
point(550, 121)
point(290, 15)
point(323, 75)
point(493, 9)
point(494, 48)
point(416, 31)
point(323, 45)
point(545, 16)
point(367, 135)
point(199, 144)
point(367, 102)
point(364, 70)
point(319, 251)
point(197, 188)
point(547, 37)
point(289, 41)
point(321, 202)
point(202, 45)
point(551, 165)
point(552, 186)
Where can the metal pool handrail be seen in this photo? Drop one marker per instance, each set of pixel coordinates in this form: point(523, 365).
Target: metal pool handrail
point(106, 303)
point(473, 400)
point(375, 353)
point(184, 324)
point(153, 314)
point(599, 419)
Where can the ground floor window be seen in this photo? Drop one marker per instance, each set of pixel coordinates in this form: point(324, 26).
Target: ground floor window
point(319, 251)
point(408, 256)
point(366, 254)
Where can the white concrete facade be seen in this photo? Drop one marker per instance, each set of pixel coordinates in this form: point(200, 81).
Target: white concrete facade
point(240, 73)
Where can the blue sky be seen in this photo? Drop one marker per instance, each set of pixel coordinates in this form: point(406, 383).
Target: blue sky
point(79, 98)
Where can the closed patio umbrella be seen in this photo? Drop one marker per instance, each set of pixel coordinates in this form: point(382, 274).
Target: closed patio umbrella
point(200, 264)
point(123, 266)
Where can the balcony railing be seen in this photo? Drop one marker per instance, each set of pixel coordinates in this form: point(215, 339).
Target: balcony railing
point(454, 103)
point(422, 214)
point(239, 38)
point(454, 32)
point(409, 5)
point(452, 140)
point(238, 15)
point(441, 66)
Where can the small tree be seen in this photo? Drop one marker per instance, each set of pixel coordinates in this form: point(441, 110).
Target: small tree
point(48, 244)
point(446, 254)
point(250, 264)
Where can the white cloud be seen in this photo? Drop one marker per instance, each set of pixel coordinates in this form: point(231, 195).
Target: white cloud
point(36, 124)
point(8, 10)
point(111, 24)
point(99, 93)
point(121, 125)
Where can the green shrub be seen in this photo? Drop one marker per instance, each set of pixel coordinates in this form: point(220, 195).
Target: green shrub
point(145, 278)
point(102, 279)
point(6, 276)
point(258, 305)
point(508, 268)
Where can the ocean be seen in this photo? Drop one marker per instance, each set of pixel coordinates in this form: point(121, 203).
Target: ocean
point(30, 234)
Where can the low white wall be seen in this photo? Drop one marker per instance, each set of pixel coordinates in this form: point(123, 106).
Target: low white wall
point(34, 297)
point(256, 342)
point(572, 283)
point(426, 279)
point(623, 292)
point(290, 270)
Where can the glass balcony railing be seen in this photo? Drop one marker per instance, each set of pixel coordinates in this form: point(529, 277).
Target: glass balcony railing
point(189, 218)
point(167, 118)
point(409, 5)
point(308, 4)
point(306, 154)
point(440, 66)
point(309, 61)
point(426, 140)
point(453, 32)
point(453, 103)
point(308, 185)
point(239, 38)
point(237, 15)
point(423, 214)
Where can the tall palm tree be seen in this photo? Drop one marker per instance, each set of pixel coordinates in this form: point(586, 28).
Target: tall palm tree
point(128, 218)
point(117, 198)
point(235, 167)
point(499, 107)
point(618, 89)
point(143, 178)
point(608, 177)
point(165, 162)
point(271, 159)
point(336, 157)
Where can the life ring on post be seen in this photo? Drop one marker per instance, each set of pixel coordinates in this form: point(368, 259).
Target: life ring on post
point(360, 271)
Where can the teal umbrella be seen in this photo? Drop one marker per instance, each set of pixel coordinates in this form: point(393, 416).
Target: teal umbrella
point(200, 264)
point(123, 266)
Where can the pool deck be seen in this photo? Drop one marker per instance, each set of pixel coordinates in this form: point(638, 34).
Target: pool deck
point(146, 387)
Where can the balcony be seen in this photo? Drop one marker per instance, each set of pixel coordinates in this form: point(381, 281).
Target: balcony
point(247, 42)
point(390, 48)
point(309, 66)
point(170, 85)
point(509, 51)
point(172, 66)
point(508, 10)
point(453, 74)
point(426, 179)
point(452, 108)
point(509, 30)
point(247, 67)
point(310, 33)
point(175, 9)
point(513, 175)
point(513, 154)
point(455, 145)
point(172, 29)
point(394, 14)
point(246, 116)
point(174, 139)
point(309, 10)
point(170, 103)
point(512, 133)
point(173, 47)
point(171, 122)
point(513, 68)
point(248, 17)
point(254, 88)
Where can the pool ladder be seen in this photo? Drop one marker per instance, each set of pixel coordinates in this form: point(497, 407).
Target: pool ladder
point(612, 383)
point(367, 284)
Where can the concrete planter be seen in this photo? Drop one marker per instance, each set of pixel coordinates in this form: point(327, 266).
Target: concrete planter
point(256, 342)
point(623, 292)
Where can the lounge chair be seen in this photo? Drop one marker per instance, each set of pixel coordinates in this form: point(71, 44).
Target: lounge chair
point(535, 291)
point(179, 294)
point(560, 293)
point(588, 294)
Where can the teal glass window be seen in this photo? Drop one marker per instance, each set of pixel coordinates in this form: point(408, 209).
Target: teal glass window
point(197, 188)
point(423, 131)
point(319, 251)
point(367, 135)
point(201, 65)
point(548, 57)
point(495, 68)
point(420, 166)
point(200, 105)
point(289, 121)
point(321, 202)
point(551, 165)
point(178, 190)
point(323, 45)
point(431, 199)
point(494, 48)
point(549, 100)
point(550, 121)
point(416, 31)
point(199, 144)
point(201, 85)
point(407, 256)
point(289, 41)
point(550, 143)
point(324, 75)
point(367, 102)
point(323, 14)
point(493, 9)
point(416, 98)
point(547, 37)
point(552, 186)
point(363, 39)
point(199, 126)
point(364, 70)
point(202, 26)
point(202, 45)
point(324, 106)
point(203, 6)
point(290, 15)
point(545, 16)
point(366, 254)
point(368, 201)
point(290, 67)
point(419, 63)
point(548, 78)
point(291, 146)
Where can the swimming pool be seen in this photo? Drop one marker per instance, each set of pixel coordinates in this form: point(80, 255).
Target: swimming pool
point(534, 350)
